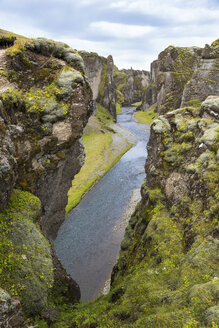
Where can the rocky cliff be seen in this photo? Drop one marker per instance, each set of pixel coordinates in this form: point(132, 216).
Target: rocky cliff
point(130, 85)
point(45, 102)
point(99, 71)
point(181, 75)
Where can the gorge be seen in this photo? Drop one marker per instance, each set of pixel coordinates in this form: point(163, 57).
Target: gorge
point(89, 240)
point(166, 274)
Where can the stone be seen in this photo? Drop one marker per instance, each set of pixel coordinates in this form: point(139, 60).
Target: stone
point(99, 72)
point(211, 136)
point(176, 187)
point(63, 131)
point(161, 125)
point(10, 311)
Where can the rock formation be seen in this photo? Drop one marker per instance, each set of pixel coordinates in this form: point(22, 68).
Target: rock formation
point(45, 102)
point(99, 71)
point(130, 85)
point(180, 75)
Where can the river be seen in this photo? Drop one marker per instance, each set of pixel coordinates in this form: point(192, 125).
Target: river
point(88, 243)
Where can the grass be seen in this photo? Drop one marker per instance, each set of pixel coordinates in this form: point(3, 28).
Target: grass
point(146, 117)
point(118, 108)
point(96, 145)
point(137, 104)
point(103, 114)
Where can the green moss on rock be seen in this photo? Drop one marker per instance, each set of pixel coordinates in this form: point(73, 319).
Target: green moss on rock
point(161, 125)
point(25, 260)
point(57, 49)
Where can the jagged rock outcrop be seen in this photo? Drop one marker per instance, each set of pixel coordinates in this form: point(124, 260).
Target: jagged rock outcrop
point(205, 80)
point(181, 75)
point(45, 102)
point(130, 85)
point(99, 71)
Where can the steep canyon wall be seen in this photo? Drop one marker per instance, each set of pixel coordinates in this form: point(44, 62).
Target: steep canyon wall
point(45, 102)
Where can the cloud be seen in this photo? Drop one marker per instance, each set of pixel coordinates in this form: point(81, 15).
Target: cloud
point(133, 31)
point(171, 10)
point(120, 30)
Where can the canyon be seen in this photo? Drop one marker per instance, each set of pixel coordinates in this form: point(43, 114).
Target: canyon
point(166, 274)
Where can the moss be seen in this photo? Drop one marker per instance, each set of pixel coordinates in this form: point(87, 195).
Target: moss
point(183, 67)
point(103, 115)
point(120, 79)
point(58, 50)
point(215, 43)
point(118, 108)
point(211, 137)
point(45, 103)
point(69, 78)
point(102, 82)
point(119, 97)
point(25, 259)
point(172, 154)
point(161, 125)
point(137, 104)
point(146, 117)
point(170, 102)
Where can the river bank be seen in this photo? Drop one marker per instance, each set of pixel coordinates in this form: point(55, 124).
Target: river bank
point(105, 143)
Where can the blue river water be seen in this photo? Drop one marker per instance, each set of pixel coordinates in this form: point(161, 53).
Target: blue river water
point(87, 243)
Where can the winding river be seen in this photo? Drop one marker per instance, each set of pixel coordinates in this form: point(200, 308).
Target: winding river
point(88, 242)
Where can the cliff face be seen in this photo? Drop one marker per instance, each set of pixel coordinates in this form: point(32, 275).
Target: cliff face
point(99, 71)
point(130, 85)
point(45, 102)
point(181, 75)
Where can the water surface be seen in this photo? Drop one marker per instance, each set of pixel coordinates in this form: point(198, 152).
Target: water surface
point(88, 243)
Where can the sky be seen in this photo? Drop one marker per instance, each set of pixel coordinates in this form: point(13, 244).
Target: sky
point(134, 32)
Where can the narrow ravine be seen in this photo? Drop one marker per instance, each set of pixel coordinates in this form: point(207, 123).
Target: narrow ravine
point(88, 242)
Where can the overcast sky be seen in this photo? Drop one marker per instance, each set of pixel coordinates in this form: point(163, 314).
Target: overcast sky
point(133, 31)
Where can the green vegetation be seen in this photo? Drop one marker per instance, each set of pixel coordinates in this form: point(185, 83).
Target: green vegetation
point(146, 117)
point(25, 260)
point(183, 65)
point(97, 148)
point(137, 104)
point(120, 79)
point(103, 115)
point(11, 34)
point(51, 102)
point(102, 82)
point(118, 108)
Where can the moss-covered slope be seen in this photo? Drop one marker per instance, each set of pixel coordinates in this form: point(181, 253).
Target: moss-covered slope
point(25, 260)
